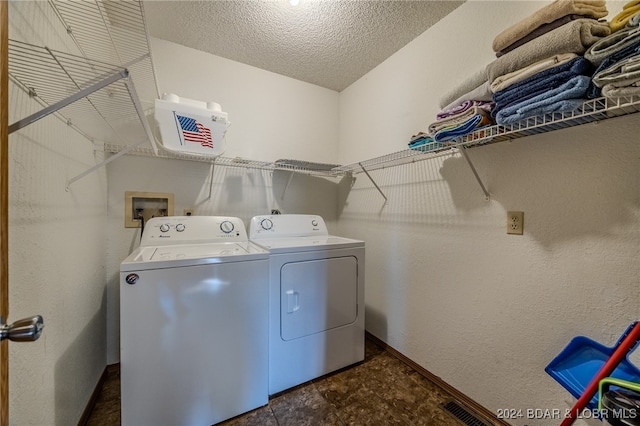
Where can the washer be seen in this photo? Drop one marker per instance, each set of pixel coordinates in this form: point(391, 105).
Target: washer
point(193, 323)
point(316, 298)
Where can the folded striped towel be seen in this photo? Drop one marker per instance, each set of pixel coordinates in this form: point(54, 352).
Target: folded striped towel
point(613, 91)
point(612, 44)
point(619, 55)
point(591, 9)
point(622, 73)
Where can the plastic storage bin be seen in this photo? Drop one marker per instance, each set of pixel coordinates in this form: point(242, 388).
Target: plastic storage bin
point(191, 127)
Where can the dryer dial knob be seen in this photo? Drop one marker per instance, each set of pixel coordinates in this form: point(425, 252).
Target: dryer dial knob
point(180, 227)
point(266, 224)
point(164, 227)
point(314, 222)
point(226, 227)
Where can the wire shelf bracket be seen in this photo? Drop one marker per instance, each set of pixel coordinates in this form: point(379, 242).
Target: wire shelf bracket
point(463, 150)
point(374, 184)
point(20, 124)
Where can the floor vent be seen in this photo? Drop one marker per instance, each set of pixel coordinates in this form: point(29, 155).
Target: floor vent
point(463, 414)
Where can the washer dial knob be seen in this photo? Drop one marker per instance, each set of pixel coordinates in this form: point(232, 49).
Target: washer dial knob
point(226, 227)
point(314, 222)
point(164, 227)
point(266, 224)
point(180, 227)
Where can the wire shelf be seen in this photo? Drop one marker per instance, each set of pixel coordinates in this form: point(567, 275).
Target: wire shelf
point(111, 38)
point(591, 111)
point(96, 89)
point(317, 169)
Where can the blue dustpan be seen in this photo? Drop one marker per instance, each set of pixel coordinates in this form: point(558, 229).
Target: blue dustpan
point(580, 361)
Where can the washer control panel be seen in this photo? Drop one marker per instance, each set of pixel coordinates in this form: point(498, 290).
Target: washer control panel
point(192, 230)
point(286, 225)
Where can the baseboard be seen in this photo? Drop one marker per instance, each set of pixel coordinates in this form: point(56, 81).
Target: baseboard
point(459, 396)
point(84, 419)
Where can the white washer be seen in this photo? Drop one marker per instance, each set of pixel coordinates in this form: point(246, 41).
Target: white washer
point(193, 323)
point(316, 298)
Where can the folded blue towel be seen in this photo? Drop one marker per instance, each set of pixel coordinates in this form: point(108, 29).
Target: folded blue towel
point(566, 105)
point(425, 145)
point(547, 79)
point(451, 133)
point(574, 89)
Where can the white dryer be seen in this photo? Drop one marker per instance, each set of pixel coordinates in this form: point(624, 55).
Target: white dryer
point(316, 298)
point(193, 323)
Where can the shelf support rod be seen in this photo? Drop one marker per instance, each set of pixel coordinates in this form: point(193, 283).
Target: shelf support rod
point(103, 163)
point(463, 150)
point(69, 100)
point(287, 185)
point(213, 163)
point(141, 115)
point(374, 183)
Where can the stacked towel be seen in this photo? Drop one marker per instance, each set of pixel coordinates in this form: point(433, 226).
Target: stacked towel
point(546, 19)
point(464, 109)
point(504, 81)
point(462, 123)
point(544, 82)
point(574, 37)
point(540, 68)
point(564, 98)
point(610, 50)
point(620, 79)
point(423, 142)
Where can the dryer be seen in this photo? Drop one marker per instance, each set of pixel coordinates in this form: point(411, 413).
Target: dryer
point(316, 298)
point(193, 323)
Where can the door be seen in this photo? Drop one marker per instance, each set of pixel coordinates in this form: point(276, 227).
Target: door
point(28, 329)
point(4, 206)
point(317, 295)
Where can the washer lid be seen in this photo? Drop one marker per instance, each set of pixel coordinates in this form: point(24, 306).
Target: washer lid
point(309, 243)
point(193, 254)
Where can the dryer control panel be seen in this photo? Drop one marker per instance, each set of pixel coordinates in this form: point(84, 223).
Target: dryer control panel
point(287, 225)
point(192, 230)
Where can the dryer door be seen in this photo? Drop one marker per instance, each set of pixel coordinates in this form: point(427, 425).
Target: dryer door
point(318, 295)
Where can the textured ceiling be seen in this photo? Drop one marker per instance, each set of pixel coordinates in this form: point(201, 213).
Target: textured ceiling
point(330, 43)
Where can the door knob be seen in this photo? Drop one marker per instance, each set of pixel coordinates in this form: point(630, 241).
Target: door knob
point(24, 330)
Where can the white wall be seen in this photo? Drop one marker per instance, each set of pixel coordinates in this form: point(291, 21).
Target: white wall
point(272, 117)
point(56, 252)
point(445, 284)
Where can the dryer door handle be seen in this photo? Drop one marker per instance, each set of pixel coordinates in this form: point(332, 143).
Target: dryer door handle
point(293, 301)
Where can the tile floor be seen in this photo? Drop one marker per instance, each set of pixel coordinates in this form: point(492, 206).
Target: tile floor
point(382, 390)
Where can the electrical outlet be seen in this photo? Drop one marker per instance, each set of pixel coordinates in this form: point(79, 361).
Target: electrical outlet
point(187, 212)
point(515, 223)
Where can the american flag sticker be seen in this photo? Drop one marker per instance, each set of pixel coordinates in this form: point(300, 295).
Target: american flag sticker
point(193, 131)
